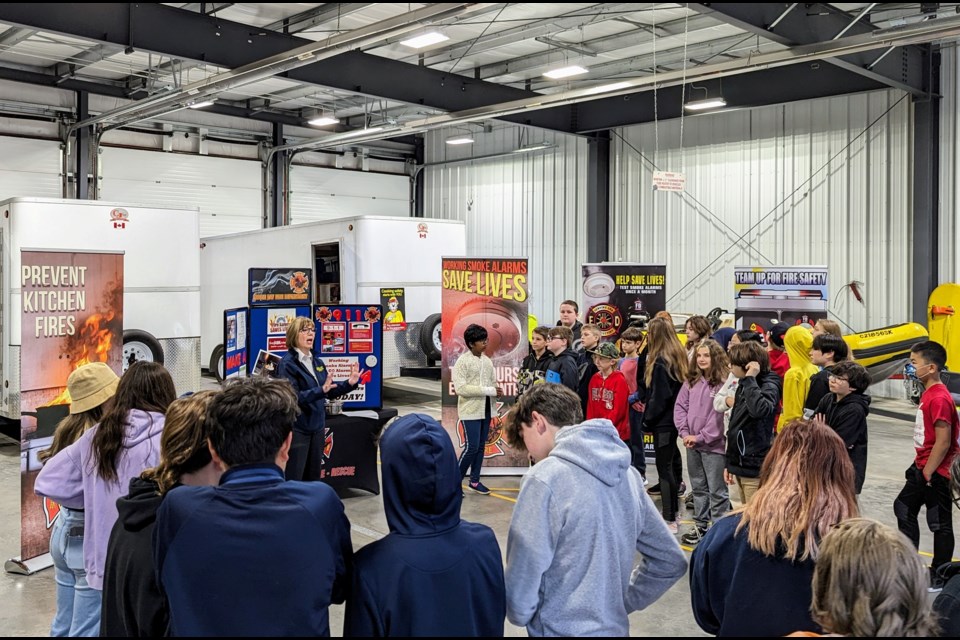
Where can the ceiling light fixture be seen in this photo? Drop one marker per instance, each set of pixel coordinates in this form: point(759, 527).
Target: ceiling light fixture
point(460, 140)
point(201, 105)
point(604, 88)
point(324, 121)
point(706, 103)
point(565, 72)
point(425, 40)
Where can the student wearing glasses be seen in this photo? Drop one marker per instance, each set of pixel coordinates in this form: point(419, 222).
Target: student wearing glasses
point(563, 367)
point(845, 411)
point(305, 371)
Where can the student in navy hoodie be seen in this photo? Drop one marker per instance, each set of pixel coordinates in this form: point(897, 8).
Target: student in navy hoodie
point(256, 555)
point(434, 574)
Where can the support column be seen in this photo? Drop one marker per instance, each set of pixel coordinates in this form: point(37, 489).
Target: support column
point(416, 182)
point(598, 197)
point(277, 215)
point(926, 188)
point(81, 174)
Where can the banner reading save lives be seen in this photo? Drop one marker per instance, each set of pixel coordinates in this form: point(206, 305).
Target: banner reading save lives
point(490, 292)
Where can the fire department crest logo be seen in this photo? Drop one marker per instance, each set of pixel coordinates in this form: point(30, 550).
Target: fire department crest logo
point(299, 282)
point(119, 217)
point(492, 448)
point(422, 229)
point(607, 318)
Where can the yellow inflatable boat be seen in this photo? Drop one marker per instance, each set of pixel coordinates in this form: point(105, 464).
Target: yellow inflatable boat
point(883, 352)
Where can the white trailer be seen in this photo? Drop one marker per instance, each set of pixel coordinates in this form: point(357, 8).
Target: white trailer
point(161, 292)
point(352, 259)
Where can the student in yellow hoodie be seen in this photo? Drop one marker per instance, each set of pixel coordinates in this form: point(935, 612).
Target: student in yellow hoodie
point(796, 383)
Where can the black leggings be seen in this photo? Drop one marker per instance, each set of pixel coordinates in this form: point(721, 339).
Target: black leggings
point(665, 449)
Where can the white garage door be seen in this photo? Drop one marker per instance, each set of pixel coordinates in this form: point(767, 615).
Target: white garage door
point(29, 168)
point(228, 192)
point(324, 194)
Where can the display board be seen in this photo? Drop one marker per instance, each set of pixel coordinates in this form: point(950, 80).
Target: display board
point(235, 343)
point(491, 292)
point(71, 315)
point(617, 292)
point(767, 295)
point(348, 334)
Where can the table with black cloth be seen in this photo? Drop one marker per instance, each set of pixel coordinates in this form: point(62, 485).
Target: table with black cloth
point(350, 449)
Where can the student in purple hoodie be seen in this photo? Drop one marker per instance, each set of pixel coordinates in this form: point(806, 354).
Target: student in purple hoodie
point(95, 470)
point(701, 429)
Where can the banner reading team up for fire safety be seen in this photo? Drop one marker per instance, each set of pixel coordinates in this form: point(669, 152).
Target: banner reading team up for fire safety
point(71, 315)
point(490, 292)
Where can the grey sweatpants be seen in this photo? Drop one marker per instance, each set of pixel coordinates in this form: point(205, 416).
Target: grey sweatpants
point(710, 497)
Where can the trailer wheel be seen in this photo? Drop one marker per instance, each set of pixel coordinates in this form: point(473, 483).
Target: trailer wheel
point(140, 346)
point(430, 342)
point(217, 362)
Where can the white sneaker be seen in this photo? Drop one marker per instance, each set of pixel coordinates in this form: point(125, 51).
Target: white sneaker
point(673, 528)
point(645, 481)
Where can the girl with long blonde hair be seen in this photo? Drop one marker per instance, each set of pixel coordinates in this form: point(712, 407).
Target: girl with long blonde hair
point(666, 369)
point(806, 488)
point(870, 583)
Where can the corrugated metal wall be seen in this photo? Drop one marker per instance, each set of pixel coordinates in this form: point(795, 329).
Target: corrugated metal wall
point(29, 168)
point(817, 182)
point(529, 205)
point(317, 193)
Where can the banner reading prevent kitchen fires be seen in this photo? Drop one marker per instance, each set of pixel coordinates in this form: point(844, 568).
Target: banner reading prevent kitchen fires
point(71, 315)
point(490, 292)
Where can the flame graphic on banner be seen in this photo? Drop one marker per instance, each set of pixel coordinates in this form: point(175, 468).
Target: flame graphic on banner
point(94, 338)
point(51, 511)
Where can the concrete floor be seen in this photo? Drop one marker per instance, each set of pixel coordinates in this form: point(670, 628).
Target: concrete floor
point(27, 604)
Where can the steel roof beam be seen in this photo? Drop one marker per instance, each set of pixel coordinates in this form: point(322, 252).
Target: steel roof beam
point(820, 22)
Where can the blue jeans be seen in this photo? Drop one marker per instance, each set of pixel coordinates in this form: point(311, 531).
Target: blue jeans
point(472, 456)
point(78, 605)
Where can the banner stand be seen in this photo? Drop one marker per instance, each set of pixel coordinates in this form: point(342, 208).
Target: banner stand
point(28, 567)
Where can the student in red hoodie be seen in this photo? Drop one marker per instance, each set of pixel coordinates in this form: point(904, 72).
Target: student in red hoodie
point(608, 391)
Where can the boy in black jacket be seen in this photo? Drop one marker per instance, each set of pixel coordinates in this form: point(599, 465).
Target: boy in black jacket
point(563, 366)
point(752, 417)
point(827, 351)
point(845, 411)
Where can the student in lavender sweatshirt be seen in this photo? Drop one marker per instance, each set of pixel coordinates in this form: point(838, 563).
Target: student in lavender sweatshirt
point(95, 470)
point(581, 518)
point(701, 430)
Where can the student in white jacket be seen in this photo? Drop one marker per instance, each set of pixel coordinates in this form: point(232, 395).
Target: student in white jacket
point(475, 383)
point(723, 401)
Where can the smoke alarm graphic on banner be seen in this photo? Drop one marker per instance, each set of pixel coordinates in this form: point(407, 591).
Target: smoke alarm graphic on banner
point(669, 181)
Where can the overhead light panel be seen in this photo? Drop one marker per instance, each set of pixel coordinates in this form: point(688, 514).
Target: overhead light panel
point(201, 105)
point(460, 140)
point(324, 121)
point(604, 88)
point(425, 40)
point(706, 103)
point(566, 72)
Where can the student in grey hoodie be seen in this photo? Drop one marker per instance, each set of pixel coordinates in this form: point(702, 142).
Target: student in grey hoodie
point(581, 517)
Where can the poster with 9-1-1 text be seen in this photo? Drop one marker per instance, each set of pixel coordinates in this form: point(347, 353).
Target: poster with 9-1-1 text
point(492, 293)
